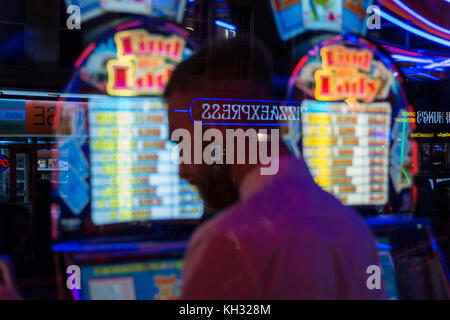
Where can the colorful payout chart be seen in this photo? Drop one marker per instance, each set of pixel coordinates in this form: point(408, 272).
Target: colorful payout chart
point(132, 175)
point(345, 149)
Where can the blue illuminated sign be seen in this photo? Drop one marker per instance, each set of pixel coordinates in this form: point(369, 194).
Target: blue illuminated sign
point(244, 112)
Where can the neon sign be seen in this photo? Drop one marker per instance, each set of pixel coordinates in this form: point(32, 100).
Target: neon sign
point(344, 74)
point(4, 163)
point(144, 62)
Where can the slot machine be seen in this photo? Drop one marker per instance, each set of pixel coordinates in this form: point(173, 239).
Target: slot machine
point(355, 130)
point(355, 137)
point(121, 215)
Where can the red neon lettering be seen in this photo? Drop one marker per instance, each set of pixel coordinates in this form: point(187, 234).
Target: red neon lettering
point(177, 49)
point(150, 80)
point(4, 163)
point(152, 46)
point(325, 85)
point(127, 46)
point(120, 77)
point(142, 48)
point(160, 81)
point(140, 82)
point(160, 46)
point(168, 46)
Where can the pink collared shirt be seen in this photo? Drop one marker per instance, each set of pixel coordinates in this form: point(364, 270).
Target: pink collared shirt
point(8, 294)
point(285, 239)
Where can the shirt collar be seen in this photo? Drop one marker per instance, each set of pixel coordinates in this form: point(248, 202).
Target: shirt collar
point(289, 166)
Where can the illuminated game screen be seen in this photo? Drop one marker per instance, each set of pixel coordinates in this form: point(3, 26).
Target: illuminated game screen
point(132, 174)
point(156, 280)
point(350, 97)
point(292, 17)
point(344, 148)
point(119, 167)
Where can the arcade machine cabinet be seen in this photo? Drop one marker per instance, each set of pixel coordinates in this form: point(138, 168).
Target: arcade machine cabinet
point(351, 140)
point(123, 216)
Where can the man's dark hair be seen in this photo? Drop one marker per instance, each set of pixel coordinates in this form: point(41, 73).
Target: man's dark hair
point(245, 62)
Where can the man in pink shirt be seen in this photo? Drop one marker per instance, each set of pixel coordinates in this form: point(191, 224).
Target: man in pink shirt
point(275, 236)
point(8, 294)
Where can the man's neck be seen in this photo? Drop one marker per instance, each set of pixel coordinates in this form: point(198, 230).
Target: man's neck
point(239, 171)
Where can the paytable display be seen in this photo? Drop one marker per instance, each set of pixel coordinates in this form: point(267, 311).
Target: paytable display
point(132, 172)
point(346, 149)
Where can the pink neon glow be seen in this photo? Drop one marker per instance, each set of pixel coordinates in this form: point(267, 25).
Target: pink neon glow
point(402, 51)
point(392, 49)
point(297, 68)
point(421, 18)
point(183, 32)
point(84, 55)
point(129, 25)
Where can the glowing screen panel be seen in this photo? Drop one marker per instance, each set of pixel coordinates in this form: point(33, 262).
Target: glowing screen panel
point(132, 175)
point(344, 148)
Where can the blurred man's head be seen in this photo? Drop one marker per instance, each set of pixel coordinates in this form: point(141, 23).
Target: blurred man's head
point(231, 69)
